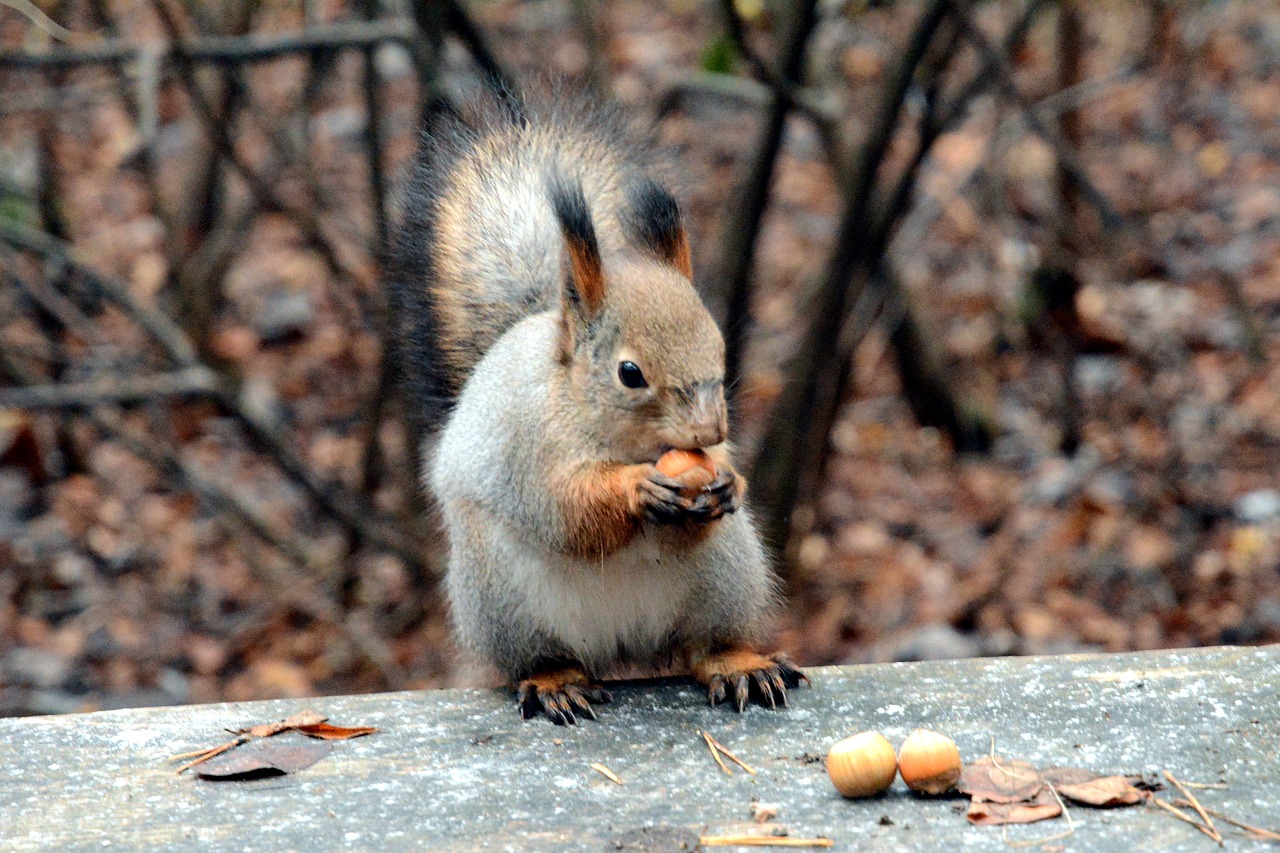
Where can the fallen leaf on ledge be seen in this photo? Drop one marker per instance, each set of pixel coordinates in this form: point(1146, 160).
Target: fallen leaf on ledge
point(262, 759)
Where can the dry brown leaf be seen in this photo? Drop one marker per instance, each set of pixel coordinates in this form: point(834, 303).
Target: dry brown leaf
point(297, 721)
point(324, 731)
point(1059, 776)
point(1000, 780)
point(307, 722)
point(263, 758)
point(1091, 789)
point(1104, 792)
point(1043, 806)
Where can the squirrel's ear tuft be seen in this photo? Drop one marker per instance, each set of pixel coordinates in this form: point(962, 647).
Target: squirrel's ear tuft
point(655, 218)
point(584, 284)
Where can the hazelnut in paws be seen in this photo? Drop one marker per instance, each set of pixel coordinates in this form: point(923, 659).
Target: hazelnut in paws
point(693, 468)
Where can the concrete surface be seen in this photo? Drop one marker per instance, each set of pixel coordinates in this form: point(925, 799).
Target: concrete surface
point(458, 770)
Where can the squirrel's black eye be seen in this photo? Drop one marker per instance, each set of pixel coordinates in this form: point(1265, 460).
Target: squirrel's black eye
point(631, 375)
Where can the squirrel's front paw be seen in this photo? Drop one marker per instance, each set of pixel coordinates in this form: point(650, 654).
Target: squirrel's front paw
point(722, 496)
point(667, 500)
point(559, 694)
point(664, 499)
point(749, 675)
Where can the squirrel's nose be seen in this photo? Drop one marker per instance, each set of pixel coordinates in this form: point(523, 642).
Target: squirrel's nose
point(709, 432)
point(705, 416)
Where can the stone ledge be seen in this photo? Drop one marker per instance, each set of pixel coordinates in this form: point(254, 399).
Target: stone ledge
point(458, 770)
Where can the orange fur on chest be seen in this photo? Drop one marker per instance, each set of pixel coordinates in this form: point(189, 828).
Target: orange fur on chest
point(600, 510)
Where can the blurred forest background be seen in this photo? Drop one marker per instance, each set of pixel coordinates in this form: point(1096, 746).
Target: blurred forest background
point(1001, 283)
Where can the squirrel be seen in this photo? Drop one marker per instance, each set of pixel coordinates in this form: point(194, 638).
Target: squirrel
point(548, 329)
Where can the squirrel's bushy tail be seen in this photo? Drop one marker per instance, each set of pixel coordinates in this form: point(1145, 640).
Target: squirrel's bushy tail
point(480, 248)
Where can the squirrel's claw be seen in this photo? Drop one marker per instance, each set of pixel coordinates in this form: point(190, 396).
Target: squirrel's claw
point(792, 676)
point(765, 685)
point(559, 695)
point(741, 691)
point(723, 495)
point(779, 685)
point(580, 700)
point(764, 678)
point(716, 690)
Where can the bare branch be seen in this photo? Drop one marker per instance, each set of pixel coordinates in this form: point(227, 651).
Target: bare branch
point(219, 132)
point(372, 454)
point(786, 86)
point(1071, 165)
point(460, 23)
point(111, 390)
point(339, 505)
point(738, 252)
point(251, 48)
point(173, 340)
point(301, 590)
point(923, 382)
point(36, 16)
point(779, 465)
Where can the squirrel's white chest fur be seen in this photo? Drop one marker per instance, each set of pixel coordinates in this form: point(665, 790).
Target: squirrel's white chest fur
point(630, 600)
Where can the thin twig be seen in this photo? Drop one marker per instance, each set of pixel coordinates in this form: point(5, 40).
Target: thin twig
point(372, 451)
point(1207, 786)
point(203, 755)
point(1195, 804)
point(373, 138)
point(762, 841)
point(296, 588)
point(219, 132)
point(1044, 839)
point(1072, 167)
point(36, 16)
point(1183, 816)
point(200, 286)
point(784, 85)
point(606, 773)
point(727, 754)
point(165, 331)
point(460, 23)
point(190, 754)
point(929, 208)
point(1256, 830)
point(58, 306)
point(711, 745)
point(924, 385)
point(139, 87)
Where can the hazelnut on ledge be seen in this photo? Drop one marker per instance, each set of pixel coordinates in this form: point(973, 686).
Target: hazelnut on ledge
point(862, 765)
point(929, 762)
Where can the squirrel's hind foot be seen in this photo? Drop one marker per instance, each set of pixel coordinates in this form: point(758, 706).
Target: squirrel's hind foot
point(750, 675)
point(559, 694)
